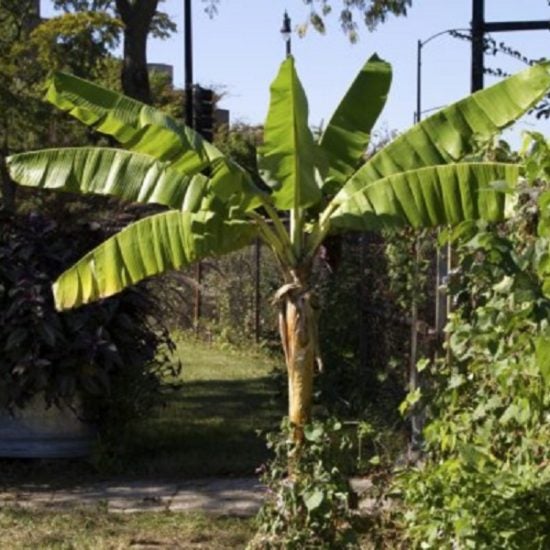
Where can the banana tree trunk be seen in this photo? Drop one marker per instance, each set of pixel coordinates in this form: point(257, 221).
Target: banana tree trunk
point(298, 327)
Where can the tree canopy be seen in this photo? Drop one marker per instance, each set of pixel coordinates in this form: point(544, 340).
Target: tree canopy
point(371, 12)
point(138, 19)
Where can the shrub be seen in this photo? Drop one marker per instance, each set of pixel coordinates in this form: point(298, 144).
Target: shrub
point(113, 354)
point(486, 479)
point(308, 507)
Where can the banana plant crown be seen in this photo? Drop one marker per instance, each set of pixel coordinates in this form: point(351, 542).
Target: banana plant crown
point(317, 186)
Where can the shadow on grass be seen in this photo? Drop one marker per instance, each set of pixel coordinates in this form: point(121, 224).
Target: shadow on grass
point(206, 428)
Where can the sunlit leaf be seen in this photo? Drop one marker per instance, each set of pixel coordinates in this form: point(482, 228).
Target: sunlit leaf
point(288, 155)
point(428, 197)
point(450, 134)
point(165, 241)
point(348, 132)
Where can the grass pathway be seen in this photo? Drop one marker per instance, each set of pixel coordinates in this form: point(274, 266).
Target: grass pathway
point(206, 428)
point(209, 427)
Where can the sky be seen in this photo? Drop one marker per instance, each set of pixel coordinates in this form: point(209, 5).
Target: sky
point(240, 49)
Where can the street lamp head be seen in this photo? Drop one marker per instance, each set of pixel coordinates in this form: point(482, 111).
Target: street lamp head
point(286, 29)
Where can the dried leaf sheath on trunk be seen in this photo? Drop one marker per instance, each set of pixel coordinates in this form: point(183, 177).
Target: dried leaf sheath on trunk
point(298, 327)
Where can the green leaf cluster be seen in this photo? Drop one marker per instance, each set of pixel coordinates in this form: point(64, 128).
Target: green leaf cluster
point(112, 356)
point(486, 481)
point(309, 508)
point(322, 184)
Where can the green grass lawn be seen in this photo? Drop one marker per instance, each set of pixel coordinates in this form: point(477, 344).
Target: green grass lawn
point(209, 426)
point(99, 530)
point(206, 428)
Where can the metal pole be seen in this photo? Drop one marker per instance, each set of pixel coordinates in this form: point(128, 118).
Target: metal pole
point(507, 26)
point(257, 289)
point(414, 375)
point(188, 60)
point(188, 42)
point(418, 81)
point(478, 11)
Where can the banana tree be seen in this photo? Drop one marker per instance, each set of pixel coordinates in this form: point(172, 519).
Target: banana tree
point(316, 187)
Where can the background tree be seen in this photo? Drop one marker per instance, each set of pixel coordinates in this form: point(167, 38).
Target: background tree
point(18, 105)
point(29, 48)
point(78, 42)
point(371, 12)
point(139, 18)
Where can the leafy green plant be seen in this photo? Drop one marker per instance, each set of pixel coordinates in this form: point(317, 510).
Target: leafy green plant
point(113, 354)
point(486, 479)
point(308, 507)
point(318, 186)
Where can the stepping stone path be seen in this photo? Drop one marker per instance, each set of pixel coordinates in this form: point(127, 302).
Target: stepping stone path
point(219, 496)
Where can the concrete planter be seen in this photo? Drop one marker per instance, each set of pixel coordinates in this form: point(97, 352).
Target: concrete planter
point(37, 431)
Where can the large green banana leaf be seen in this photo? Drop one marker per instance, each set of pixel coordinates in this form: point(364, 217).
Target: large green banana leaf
point(428, 197)
point(446, 136)
point(134, 177)
point(147, 130)
point(288, 155)
point(150, 246)
point(348, 132)
point(135, 125)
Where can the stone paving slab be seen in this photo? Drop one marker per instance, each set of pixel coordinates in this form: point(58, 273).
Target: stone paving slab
point(239, 496)
point(219, 496)
point(227, 496)
point(140, 497)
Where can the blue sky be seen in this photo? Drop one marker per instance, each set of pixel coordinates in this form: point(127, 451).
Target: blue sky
point(241, 48)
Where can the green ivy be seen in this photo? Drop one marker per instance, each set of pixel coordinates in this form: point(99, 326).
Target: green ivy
point(308, 508)
point(485, 481)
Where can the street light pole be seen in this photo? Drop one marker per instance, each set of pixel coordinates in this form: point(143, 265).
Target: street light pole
point(480, 27)
point(286, 31)
point(419, 46)
point(188, 57)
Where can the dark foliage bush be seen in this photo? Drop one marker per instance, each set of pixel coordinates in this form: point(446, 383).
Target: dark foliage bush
point(113, 354)
point(359, 334)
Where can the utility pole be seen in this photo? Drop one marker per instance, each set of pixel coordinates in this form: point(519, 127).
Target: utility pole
point(480, 27)
point(189, 121)
point(188, 57)
point(478, 10)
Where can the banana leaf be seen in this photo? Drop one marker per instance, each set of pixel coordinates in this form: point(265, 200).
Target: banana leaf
point(450, 134)
point(427, 197)
point(348, 132)
point(144, 129)
point(130, 176)
point(169, 240)
point(289, 154)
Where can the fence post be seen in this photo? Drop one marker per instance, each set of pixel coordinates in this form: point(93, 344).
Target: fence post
point(257, 290)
